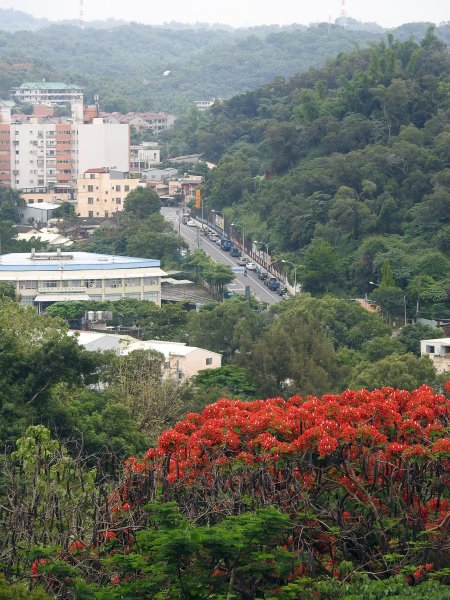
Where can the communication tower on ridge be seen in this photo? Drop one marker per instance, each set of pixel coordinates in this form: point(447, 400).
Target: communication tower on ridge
point(343, 15)
point(82, 26)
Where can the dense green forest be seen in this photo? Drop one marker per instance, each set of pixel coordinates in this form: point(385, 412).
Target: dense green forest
point(342, 170)
point(124, 65)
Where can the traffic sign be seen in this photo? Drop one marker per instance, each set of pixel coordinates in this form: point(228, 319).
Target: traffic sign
point(238, 269)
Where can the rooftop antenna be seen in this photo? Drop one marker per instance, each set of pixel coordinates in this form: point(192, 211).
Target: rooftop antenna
point(82, 26)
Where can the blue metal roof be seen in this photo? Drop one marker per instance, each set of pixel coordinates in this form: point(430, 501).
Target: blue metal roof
point(71, 261)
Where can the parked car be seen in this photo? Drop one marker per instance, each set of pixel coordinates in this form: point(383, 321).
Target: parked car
point(226, 245)
point(282, 290)
point(273, 284)
point(242, 262)
point(250, 266)
point(191, 223)
point(234, 251)
point(213, 237)
point(263, 275)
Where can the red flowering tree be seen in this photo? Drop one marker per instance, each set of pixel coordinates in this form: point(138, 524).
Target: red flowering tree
point(364, 475)
point(361, 479)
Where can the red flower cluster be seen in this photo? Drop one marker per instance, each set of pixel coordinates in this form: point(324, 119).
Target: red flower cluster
point(399, 424)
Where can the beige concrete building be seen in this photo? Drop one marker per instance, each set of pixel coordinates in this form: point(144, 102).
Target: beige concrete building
point(42, 278)
point(102, 192)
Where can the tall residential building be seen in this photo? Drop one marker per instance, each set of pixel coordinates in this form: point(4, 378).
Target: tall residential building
point(50, 93)
point(5, 142)
point(102, 192)
point(44, 154)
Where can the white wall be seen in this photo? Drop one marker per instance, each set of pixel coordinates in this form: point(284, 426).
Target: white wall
point(103, 145)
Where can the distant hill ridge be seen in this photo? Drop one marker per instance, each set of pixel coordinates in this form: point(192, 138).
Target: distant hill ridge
point(125, 63)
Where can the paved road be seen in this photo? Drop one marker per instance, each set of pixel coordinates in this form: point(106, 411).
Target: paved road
point(195, 240)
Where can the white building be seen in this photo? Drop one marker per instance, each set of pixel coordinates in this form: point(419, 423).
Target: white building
point(143, 157)
point(50, 237)
point(438, 351)
point(44, 154)
point(36, 213)
point(181, 361)
point(205, 104)
point(103, 145)
point(41, 278)
point(49, 93)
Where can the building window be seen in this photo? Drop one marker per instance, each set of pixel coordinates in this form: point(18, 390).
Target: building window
point(150, 281)
point(153, 296)
point(209, 361)
point(430, 349)
point(127, 188)
point(117, 188)
point(133, 281)
point(118, 201)
point(93, 283)
point(90, 200)
point(90, 188)
point(114, 283)
point(28, 285)
point(91, 214)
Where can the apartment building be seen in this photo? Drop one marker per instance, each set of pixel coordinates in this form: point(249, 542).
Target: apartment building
point(49, 93)
point(49, 153)
point(5, 142)
point(102, 192)
point(144, 156)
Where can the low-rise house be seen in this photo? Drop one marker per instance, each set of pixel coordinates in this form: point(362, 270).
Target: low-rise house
point(50, 237)
point(438, 351)
point(180, 361)
point(159, 174)
point(36, 213)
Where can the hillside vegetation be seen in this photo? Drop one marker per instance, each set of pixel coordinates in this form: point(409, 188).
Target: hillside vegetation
point(124, 64)
point(343, 170)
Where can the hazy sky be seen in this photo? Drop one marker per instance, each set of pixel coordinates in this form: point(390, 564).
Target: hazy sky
point(239, 13)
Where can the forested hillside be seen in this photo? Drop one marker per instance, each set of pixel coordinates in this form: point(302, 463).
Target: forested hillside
point(344, 169)
point(125, 64)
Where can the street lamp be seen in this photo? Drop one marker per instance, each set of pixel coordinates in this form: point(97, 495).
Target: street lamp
point(288, 262)
point(243, 233)
point(262, 244)
point(223, 219)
